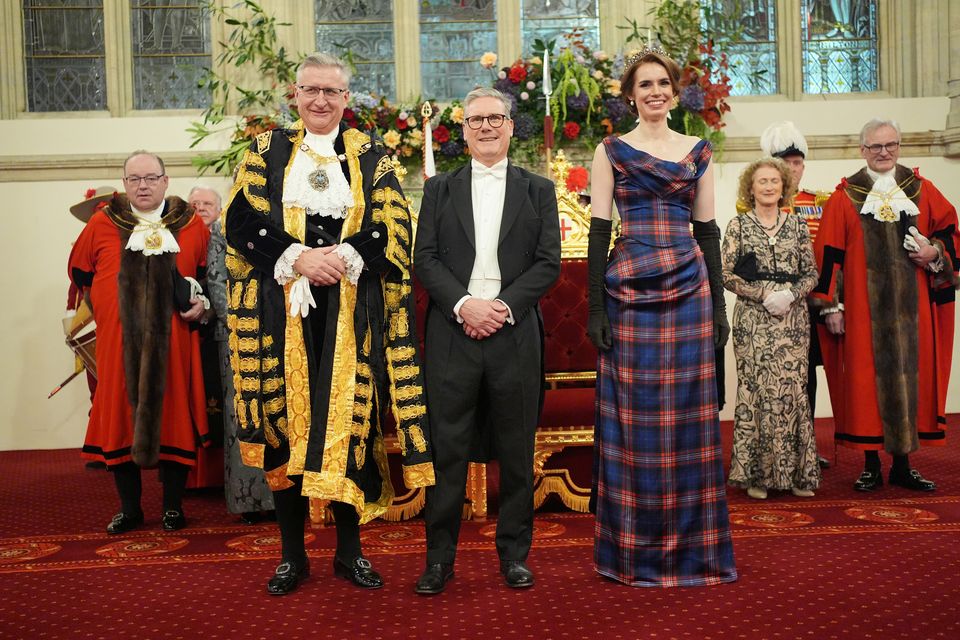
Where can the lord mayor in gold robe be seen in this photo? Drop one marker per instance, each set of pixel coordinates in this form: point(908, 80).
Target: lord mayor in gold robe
point(321, 322)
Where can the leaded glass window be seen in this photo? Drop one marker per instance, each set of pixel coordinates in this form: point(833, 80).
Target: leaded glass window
point(171, 48)
point(453, 36)
point(361, 32)
point(752, 46)
point(549, 19)
point(63, 55)
point(839, 45)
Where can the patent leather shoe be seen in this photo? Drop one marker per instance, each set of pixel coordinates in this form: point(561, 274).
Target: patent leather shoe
point(173, 520)
point(869, 480)
point(516, 574)
point(287, 578)
point(823, 463)
point(251, 517)
point(912, 480)
point(360, 572)
point(122, 522)
point(434, 579)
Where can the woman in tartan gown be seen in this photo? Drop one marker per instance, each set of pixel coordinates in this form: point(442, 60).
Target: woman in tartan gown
point(661, 507)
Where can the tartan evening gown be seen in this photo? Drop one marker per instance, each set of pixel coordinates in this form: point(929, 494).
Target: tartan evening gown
point(661, 506)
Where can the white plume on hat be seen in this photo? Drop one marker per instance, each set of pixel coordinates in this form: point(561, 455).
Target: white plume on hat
point(781, 136)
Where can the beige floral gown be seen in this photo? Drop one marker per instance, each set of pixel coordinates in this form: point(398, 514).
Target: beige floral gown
point(773, 439)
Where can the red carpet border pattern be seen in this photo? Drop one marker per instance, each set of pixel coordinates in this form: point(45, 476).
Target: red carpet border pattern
point(840, 565)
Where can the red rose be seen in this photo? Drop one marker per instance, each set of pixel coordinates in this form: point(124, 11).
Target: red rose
point(577, 179)
point(571, 130)
point(517, 74)
point(441, 134)
point(402, 124)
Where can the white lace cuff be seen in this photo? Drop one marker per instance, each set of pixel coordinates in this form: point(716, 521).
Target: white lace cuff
point(835, 309)
point(283, 271)
point(196, 292)
point(353, 261)
point(936, 266)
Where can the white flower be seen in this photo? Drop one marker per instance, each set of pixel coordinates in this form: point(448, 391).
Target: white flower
point(524, 95)
point(531, 85)
point(403, 115)
point(502, 74)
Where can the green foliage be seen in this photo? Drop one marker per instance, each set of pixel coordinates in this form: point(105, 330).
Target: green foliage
point(253, 44)
point(573, 78)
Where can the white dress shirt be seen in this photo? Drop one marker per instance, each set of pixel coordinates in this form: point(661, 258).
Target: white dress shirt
point(487, 190)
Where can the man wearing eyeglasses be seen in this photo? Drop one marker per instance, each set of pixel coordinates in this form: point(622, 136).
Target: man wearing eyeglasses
point(487, 249)
point(887, 251)
point(322, 323)
point(139, 261)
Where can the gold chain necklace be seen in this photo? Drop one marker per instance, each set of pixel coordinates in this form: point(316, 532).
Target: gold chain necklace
point(318, 178)
point(885, 213)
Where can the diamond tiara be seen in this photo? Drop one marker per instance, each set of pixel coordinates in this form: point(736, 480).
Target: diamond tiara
point(637, 55)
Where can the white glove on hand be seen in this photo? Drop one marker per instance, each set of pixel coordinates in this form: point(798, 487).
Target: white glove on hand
point(301, 299)
point(778, 302)
point(913, 241)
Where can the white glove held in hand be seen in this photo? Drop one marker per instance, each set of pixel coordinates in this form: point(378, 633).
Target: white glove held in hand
point(778, 302)
point(301, 299)
point(913, 241)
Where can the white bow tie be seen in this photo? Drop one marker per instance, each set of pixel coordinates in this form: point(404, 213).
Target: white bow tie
point(498, 171)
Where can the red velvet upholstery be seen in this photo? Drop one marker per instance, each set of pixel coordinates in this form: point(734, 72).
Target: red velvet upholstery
point(564, 308)
point(568, 407)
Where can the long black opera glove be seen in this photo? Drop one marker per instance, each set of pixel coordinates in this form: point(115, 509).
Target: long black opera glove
point(707, 235)
point(598, 244)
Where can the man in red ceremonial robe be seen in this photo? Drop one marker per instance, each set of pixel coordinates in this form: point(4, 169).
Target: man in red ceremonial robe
point(887, 252)
point(138, 262)
point(783, 140)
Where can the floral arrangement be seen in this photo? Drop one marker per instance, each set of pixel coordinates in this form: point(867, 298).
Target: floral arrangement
point(585, 103)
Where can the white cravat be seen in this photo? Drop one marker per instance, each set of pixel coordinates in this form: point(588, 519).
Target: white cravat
point(487, 189)
point(151, 236)
point(332, 201)
point(886, 201)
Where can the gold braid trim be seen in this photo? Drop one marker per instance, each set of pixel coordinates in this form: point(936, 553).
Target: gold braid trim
point(238, 269)
point(295, 372)
point(277, 478)
point(251, 454)
point(384, 166)
point(407, 372)
point(419, 475)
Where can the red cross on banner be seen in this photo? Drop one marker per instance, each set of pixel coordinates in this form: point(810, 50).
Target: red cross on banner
point(564, 227)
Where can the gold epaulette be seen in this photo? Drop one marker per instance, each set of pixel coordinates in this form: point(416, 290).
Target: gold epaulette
point(263, 142)
point(821, 197)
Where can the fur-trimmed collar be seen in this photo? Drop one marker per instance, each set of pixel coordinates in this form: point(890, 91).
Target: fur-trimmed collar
point(908, 179)
point(176, 213)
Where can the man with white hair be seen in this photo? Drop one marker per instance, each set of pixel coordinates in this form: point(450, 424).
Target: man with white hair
point(887, 251)
point(206, 203)
point(321, 318)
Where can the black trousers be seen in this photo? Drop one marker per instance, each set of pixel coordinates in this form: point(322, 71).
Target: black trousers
point(482, 393)
point(291, 508)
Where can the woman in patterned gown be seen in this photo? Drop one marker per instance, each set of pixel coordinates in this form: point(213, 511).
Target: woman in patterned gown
point(768, 262)
point(656, 314)
point(245, 487)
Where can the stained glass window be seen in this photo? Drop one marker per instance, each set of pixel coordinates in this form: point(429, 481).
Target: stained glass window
point(453, 36)
point(549, 19)
point(839, 45)
point(361, 32)
point(63, 55)
point(171, 48)
point(752, 48)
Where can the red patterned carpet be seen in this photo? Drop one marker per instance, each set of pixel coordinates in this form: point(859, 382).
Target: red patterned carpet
point(841, 565)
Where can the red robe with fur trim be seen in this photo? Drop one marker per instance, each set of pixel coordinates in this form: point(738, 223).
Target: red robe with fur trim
point(96, 264)
point(888, 372)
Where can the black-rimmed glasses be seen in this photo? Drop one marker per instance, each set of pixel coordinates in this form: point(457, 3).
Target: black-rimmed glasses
point(134, 181)
point(495, 120)
point(889, 147)
point(328, 92)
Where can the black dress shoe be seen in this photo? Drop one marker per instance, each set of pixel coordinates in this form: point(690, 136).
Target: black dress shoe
point(360, 572)
point(287, 577)
point(912, 480)
point(121, 523)
point(869, 480)
point(823, 462)
point(516, 574)
point(434, 579)
point(173, 520)
point(251, 517)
